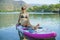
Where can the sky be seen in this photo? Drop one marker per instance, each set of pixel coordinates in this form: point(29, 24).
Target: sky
point(40, 1)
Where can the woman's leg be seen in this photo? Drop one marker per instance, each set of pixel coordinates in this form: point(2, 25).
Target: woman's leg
point(20, 35)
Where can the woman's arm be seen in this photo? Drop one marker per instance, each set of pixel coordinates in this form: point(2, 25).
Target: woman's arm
point(19, 18)
point(29, 22)
point(18, 22)
point(33, 27)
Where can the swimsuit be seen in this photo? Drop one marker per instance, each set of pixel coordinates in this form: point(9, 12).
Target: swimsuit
point(23, 16)
point(24, 20)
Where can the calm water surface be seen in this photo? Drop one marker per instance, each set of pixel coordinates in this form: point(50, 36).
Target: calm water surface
point(9, 19)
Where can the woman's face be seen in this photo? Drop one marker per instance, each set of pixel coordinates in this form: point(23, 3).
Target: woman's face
point(23, 9)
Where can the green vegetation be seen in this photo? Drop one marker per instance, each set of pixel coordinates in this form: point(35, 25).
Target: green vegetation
point(42, 8)
point(45, 8)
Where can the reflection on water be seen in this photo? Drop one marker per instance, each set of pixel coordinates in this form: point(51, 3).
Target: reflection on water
point(9, 33)
point(50, 21)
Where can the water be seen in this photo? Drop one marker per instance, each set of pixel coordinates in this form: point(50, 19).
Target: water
point(8, 21)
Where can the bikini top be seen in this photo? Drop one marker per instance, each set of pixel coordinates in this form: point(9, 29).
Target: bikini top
point(23, 16)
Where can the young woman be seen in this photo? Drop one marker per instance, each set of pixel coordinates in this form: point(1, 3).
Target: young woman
point(24, 20)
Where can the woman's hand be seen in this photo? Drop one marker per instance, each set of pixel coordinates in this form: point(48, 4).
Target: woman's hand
point(17, 24)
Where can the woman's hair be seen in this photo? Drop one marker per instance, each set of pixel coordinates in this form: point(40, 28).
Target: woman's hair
point(23, 8)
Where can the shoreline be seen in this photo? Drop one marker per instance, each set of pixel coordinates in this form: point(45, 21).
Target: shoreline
point(35, 11)
point(28, 12)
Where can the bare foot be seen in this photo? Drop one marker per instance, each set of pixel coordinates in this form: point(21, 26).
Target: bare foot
point(36, 27)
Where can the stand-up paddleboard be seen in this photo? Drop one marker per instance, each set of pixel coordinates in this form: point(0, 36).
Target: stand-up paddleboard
point(41, 33)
